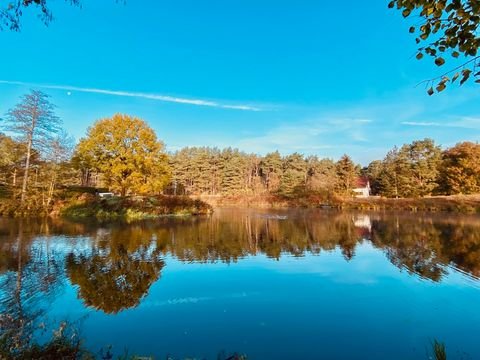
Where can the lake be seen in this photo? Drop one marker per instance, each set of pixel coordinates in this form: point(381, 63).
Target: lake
point(271, 284)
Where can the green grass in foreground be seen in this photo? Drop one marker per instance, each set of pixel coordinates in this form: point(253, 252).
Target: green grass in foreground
point(66, 344)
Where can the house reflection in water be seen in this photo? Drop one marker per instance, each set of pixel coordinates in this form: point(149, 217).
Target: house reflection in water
point(364, 224)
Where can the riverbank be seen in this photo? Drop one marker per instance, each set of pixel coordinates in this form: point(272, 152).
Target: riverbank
point(133, 208)
point(82, 203)
point(77, 203)
point(454, 203)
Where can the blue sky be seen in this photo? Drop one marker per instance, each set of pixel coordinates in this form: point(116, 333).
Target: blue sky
point(315, 77)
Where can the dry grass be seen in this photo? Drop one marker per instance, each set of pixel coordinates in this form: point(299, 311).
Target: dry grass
point(455, 203)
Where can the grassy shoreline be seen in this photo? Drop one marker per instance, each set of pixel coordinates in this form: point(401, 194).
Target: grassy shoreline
point(77, 204)
point(80, 205)
point(133, 208)
point(455, 203)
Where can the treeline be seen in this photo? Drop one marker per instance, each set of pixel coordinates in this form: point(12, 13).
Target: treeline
point(414, 170)
point(123, 154)
point(422, 168)
point(212, 171)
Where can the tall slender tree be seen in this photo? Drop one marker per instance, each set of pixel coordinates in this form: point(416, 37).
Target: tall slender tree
point(35, 123)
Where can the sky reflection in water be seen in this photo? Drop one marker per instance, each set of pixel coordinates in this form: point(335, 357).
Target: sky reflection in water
point(314, 284)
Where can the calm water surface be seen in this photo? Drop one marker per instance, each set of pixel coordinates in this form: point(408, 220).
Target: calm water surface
point(270, 284)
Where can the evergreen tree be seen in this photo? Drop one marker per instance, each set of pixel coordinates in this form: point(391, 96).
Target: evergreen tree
point(421, 174)
point(271, 171)
point(346, 175)
point(253, 178)
point(294, 175)
point(389, 177)
point(373, 173)
point(321, 174)
point(411, 171)
point(233, 171)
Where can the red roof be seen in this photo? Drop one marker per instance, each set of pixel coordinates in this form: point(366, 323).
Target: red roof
point(361, 182)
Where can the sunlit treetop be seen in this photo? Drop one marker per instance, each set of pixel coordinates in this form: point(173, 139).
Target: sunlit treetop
point(446, 29)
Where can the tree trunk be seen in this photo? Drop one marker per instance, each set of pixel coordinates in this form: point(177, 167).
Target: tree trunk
point(51, 187)
point(27, 167)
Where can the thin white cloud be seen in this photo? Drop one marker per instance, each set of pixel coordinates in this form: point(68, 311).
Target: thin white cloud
point(464, 123)
point(157, 97)
point(365, 121)
point(421, 123)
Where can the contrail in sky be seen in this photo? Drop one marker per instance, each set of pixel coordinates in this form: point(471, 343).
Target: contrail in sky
point(165, 98)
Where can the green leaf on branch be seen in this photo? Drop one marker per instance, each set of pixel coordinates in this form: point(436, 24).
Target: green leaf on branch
point(439, 61)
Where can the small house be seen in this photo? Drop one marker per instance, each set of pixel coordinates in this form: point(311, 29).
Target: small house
point(362, 187)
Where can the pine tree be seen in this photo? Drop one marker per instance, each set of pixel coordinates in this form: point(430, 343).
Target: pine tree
point(321, 175)
point(373, 172)
point(271, 171)
point(346, 175)
point(425, 158)
point(233, 171)
point(294, 175)
point(411, 171)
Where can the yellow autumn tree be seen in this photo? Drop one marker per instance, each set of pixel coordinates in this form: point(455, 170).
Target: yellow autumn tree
point(126, 151)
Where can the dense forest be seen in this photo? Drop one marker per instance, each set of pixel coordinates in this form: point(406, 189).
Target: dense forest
point(122, 154)
point(418, 169)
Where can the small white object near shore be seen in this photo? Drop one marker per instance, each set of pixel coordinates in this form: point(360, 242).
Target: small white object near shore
point(106, 194)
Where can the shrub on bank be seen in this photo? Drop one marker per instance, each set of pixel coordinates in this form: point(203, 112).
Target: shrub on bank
point(132, 208)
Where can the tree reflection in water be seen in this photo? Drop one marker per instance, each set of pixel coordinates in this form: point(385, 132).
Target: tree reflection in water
point(31, 274)
point(117, 271)
point(115, 265)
